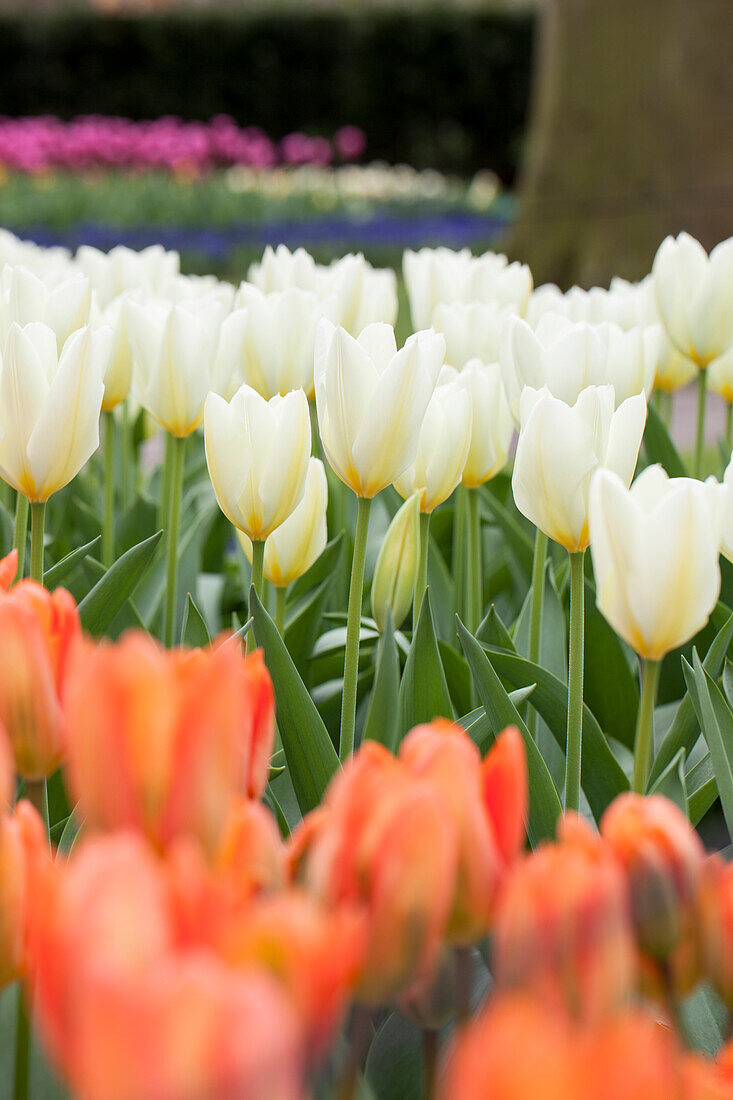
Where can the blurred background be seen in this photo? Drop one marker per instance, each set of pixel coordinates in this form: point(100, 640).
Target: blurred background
point(572, 134)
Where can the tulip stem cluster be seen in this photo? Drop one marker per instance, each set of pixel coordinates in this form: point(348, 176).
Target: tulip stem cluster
point(644, 743)
point(351, 657)
point(537, 600)
point(575, 681)
point(108, 536)
point(702, 383)
point(175, 492)
point(20, 533)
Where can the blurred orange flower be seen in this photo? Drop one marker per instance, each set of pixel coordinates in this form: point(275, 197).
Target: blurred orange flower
point(22, 839)
point(715, 925)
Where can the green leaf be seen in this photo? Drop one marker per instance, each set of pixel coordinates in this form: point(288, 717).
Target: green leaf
point(99, 607)
point(457, 676)
point(194, 631)
point(312, 759)
point(685, 728)
point(704, 1020)
point(544, 803)
point(672, 783)
point(492, 632)
point(70, 832)
point(383, 712)
point(517, 539)
point(303, 623)
point(602, 777)
point(658, 446)
point(424, 691)
point(553, 640)
point(716, 721)
point(702, 790)
point(609, 685)
point(58, 573)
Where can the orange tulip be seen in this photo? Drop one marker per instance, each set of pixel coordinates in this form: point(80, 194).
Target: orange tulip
point(562, 928)
point(126, 1012)
point(22, 839)
point(715, 925)
point(384, 842)
point(662, 857)
point(481, 807)
point(631, 1056)
point(37, 631)
point(513, 1051)
point(8, 569)
point(164, 741)
point(705, 1079)
point(7, 771)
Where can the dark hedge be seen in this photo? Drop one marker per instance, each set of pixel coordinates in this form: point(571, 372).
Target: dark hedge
point(442, 89)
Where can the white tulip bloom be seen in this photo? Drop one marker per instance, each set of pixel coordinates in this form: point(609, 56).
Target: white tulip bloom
point(472, 330)
point(180, 353)
point(396, 570)
point(49, 406)
point(120, 269)
point(655, 550)
point(281, 269)
point(58, 298)
point(492, 427)
point(296, 544)
point(442, 449)
point(561, 446)
point(363, 295)
point(258, 453)
point(674, 369)
point(118, 375)
point(694, 292)
point(435, 275)
point(371, 401)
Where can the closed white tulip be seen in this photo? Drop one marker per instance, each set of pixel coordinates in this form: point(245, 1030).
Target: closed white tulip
point(371, 401)
point(561, 446)
point(59, 298)
point(396, 570)
point(472, 330)
point(118, 375)
point(49, 406)
point(674, 369)
point(111, 273)
point(442, 449)
point(280, 269)
point(655, 550)
point(694, 292)
point(363, 295)
point(280, 337)
point(257, 452)
point(435, 275)
point(492, 427)
point(299, 541)
point(180, 353)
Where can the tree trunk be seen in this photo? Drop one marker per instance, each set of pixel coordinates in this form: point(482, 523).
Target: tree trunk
point(631, 135)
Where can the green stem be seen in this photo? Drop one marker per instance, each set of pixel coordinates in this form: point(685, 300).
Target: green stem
point(165, 484)
point(644, 743)
point(536, 605)
point(475, 585)
point(316, 448)
point(258, 563)
point(22, 1049)
point(459, 552)
point(20, 533)
point(702, 381)
point(38, 523)
point(126, 452)
point(430, 1051)
point(729, 427)
point(178, 455)
point(351, 656)
point(575, 683)
point(108, 535)
point(280, 601)
point(421, 580)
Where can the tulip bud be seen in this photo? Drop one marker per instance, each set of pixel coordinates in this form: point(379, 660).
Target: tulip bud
point(693, 292)
point(371, 401)
point(396, 569)
point(472, 330)
point(280, 269)
point(715, 919)
point(435, 275)
point(571, 946)
point(22, 840)
point(562, 446)
point(631, 1055)
point(118, 372)
point(662, 857)
point(442, 449)
point(165, 741)
point(296, 544)
point(655, 550)
point(492, 427)
point(7, 771)
point(8, 569)
point(37, 632)
point(506, 793)
point(363, 295)
point(49, 406)
point(257, 452)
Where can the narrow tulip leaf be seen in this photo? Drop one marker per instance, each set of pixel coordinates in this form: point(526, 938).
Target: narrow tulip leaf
point(702, 789)
point(658, 447)
point(544, 803)
point(492, 632)
point(602, 777)
point(59, 572)
point(728, 681)
point(457, 676)
point(194, 631)
point(673, 784)
point(384, 706)
point(100, 606)
point(477, 725)
point(716, 721)
point(704, 1020)
point(6, 531)
point(517, 539)
point(685, 728)
point(424, 691)
point(303, 623)
point(553, 637)
point(609, 685)
point(312, 759)
point(72, 827)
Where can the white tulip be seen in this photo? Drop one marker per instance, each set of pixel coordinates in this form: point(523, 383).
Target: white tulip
point(49, 406)
point(118, 375)
point(397, 566)
point(364, 295)
point(694, 292)
point(435, 275)
point(492, 427)
point(655, 550)
point(257, 452)
point(296, 544)
point(442, 449)
point(561, 446)
point(58, 298)
point(180, 353)
point(202, 288)
point(120, 269)
point(674, 369)
point(371, 401)
point(280, 338)
point(472, 330)
point(280, 269)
